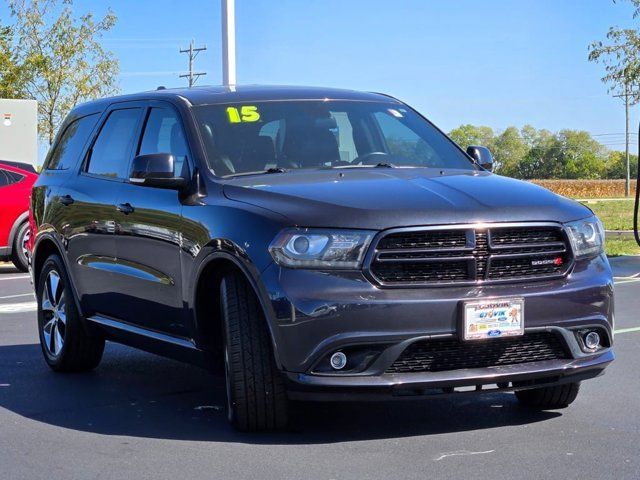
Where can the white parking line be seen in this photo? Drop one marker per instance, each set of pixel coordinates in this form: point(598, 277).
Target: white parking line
point(627, 330)
point(623, 280)
point(19, 295)
point(19, 307)
point(16, 277)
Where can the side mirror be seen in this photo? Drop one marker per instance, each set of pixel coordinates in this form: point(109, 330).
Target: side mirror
point(155, 170)
point(482, 156)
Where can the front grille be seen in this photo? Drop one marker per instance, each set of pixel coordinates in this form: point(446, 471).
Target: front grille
point(514, 236)
point(442, 355)
point(425, 239)
point(458, 255)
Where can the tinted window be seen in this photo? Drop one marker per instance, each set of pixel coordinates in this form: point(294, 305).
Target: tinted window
point(69, 148)
point(163, 134)
point(112, 149)
point(9, 178)
point(4, 179)
point(246, 138)
point(13, 176)
point(404, 142)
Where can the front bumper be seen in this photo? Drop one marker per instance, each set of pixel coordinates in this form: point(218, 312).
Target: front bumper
point(416, 385)
point(312, 314)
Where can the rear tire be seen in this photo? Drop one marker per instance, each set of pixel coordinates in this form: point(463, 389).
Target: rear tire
point(66, 345)
point(18, 249)
point(549, 398)
point(256, 394)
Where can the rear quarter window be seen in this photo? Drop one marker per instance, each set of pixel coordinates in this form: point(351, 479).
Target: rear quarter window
point(68, 149)
point(9, 178)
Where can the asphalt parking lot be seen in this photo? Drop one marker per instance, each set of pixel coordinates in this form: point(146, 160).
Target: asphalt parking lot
point(140, 416)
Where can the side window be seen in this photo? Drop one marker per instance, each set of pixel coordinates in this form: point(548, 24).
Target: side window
point(4, 179)
point(163, 134)
point(67, 151)
point(112, 149)
point(14, 177)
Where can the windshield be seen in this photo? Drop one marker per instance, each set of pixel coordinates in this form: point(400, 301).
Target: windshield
point(283, 135)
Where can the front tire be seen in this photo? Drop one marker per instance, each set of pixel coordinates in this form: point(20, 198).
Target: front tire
point(256, 395)
point(19, 252)
point(66, 345)
point(549, 398)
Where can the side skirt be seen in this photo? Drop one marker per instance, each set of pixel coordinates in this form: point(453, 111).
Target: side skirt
point(181, 349)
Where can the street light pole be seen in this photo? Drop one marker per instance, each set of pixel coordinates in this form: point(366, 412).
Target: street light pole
point(228, 42)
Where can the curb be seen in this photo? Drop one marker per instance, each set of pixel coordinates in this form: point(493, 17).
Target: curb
point(618, 234)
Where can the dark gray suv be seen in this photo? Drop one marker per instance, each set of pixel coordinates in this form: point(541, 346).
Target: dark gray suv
point(322, 244)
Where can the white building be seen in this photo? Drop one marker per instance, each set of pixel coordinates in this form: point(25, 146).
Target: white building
point(19, 130)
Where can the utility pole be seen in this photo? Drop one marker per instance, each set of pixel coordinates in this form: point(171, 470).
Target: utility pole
point(193, 53)
point(626, 95)
point(228, 42)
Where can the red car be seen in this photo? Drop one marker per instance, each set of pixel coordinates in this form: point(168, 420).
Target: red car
point(16, 180)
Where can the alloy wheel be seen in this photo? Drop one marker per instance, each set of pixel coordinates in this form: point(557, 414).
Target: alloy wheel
point(25, 242)
point(54, 314)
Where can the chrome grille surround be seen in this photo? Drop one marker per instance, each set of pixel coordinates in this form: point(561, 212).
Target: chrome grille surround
point(436, 256)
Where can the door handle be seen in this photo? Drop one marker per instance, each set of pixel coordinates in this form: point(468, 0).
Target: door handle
point(66, 200)
point(125, 208)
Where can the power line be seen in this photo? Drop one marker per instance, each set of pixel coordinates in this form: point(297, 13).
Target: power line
point(609, 134)
point(193, 53)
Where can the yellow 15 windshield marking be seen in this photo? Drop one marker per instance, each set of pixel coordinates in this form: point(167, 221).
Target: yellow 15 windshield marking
point(246, 113)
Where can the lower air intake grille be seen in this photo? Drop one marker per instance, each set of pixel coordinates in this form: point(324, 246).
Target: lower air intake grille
point(442, 355)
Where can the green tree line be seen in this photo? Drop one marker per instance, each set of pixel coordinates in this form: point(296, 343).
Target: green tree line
point(538, 153)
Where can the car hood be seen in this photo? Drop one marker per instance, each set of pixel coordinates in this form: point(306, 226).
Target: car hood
point(385, 198)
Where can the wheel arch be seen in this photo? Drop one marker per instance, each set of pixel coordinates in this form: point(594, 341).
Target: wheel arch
point(44, 246)
point(22, 218)
point(209, 275)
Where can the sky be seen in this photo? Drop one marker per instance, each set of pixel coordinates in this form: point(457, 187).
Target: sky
point(489, 62)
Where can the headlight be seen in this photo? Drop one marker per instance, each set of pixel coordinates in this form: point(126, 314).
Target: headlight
point(587, 237)
point(314, 248)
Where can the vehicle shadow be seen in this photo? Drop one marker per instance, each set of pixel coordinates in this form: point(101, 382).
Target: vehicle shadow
point(8, 268)
point(137, 394)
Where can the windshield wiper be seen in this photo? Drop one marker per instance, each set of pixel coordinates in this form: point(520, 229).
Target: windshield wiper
point(378, 165)
point(259, 172)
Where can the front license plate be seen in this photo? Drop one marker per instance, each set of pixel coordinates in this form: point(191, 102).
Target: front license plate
point(493, 318)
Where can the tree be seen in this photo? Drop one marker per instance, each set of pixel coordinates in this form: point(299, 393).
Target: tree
point(530, 153)
point(63, 57)
point(566, 154)
point(529, 135)
point(615, 165)
point(509, 149)
point(580, 156)
point(541, 159)
point(11, 72)
point(636, 4)
point(466, 135)
point(621, 59)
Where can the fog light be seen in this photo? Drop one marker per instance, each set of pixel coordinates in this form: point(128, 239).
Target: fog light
point(592, 340)
point(338, 361)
